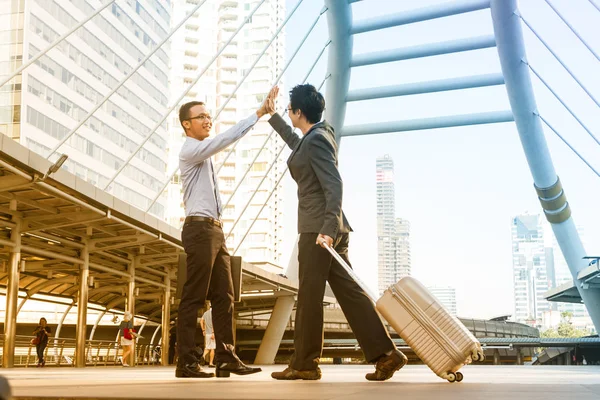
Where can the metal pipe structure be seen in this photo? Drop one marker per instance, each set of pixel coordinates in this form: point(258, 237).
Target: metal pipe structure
point(569, 145)
point(121, 83)
point(465, 82)
point(560, 61)
point(592, 2)
point(563, 103)
point(232, 149)
point(262, 53)
point(176, 102)
point(59, 328)
point(239, 84)
point(276, 184)
point(82, 300)
point(339, 22)
point(511, 49)
point(158, 327)
point(424, 50)
point(131, 302)
point(419, 15)
point(573, 29)
point(166, 322)
point(102, 314)
point(56, 42)
point(82, 203)
point(429, 123)
point(12, 292)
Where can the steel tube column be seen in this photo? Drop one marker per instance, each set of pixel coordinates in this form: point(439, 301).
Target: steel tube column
point(511, 49)
point(275, 330)
point(339, 21)
point(12, 292)
point(82, 301)
point(131, 303)
point(166, 320)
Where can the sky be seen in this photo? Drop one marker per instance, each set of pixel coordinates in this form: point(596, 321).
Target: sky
point(459, 187)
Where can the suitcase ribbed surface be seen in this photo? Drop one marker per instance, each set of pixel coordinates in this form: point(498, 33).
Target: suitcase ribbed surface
point(439, 339)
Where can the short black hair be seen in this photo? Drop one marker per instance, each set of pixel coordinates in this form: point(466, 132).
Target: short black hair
point(307, 99)
point(184, 111)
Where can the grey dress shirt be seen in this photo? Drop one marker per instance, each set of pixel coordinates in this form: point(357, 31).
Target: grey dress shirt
point(200, 186)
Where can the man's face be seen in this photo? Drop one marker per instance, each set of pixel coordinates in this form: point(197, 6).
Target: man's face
point(199, 123)
point(294, 115)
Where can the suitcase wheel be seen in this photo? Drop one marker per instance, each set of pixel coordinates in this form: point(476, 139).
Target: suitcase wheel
point(454, 377)
point(459, 377)
point(478, 356)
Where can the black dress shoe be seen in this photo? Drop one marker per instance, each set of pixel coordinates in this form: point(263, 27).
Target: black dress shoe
point(193, 370)
point(239, 368)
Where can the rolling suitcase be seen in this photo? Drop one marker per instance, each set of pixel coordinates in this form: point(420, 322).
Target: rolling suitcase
point(440, 340)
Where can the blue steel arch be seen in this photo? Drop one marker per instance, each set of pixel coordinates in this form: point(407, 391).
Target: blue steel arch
point(509, 42)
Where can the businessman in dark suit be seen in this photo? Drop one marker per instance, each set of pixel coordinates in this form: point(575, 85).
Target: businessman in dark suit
point(313, 165)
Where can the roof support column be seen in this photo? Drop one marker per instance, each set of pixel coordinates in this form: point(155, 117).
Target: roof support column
point(131, 304)
point(12, 292)
point(82, 301)
point(166, 320)
point(275, 330)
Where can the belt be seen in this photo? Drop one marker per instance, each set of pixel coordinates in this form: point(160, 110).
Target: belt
point(194, 218)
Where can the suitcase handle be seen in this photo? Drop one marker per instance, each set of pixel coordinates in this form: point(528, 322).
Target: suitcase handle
point(350, 271)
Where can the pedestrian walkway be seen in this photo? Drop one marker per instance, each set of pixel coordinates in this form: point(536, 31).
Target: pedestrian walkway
point(340, 382)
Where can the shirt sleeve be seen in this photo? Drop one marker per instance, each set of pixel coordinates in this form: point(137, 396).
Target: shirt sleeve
point(196, 151)
point(285, 131)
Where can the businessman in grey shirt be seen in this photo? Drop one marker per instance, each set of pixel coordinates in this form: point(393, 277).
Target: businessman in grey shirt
point(208, 262)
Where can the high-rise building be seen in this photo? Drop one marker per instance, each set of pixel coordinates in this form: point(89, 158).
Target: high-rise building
point(42, 104)
point(447, 296)
point(530, 277)
point(403, 262)
point(562, 275)
point(393, 235)
point(229, 100)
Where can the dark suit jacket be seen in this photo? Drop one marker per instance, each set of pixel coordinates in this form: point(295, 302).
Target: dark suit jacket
point(313, 165)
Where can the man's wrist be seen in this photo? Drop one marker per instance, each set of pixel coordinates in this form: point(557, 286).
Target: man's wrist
point(260, 112)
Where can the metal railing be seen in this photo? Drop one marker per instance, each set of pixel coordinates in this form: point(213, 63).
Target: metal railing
point(60, 352)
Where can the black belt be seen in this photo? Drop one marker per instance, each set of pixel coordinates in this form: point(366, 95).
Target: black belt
point(194, 218)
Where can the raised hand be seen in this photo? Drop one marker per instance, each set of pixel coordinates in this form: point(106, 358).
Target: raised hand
point(268, 106)
point(271, 99)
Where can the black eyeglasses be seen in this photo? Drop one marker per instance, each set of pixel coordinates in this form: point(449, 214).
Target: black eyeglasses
point(201, 117)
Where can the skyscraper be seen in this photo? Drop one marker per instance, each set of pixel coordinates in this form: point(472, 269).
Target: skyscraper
point(562, 275)
point(393, 235)
point(530, 277)
point(47, 100)
point(403, 261)
point(229, 100)
point(447, 296)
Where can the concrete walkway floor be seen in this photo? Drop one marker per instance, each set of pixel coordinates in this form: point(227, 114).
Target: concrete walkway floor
point(339, 382)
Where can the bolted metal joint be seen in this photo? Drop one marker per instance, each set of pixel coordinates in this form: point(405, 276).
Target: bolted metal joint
point(554, 202)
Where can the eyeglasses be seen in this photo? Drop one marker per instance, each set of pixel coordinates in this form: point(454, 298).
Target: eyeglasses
point(201, 117)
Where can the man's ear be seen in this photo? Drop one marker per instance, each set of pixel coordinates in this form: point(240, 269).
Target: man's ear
point(186, 124)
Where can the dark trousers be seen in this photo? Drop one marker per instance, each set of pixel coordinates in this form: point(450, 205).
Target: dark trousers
point(208, 276)
point(40, 348)
point(316, 267)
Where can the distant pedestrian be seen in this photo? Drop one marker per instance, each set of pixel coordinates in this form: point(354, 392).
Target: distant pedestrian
point(41, 340)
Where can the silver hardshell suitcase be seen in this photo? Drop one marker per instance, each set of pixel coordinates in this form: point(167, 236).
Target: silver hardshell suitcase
point(439, 339)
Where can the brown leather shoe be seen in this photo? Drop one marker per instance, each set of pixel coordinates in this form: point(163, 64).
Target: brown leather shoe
point(387, 365)
point(290, 374)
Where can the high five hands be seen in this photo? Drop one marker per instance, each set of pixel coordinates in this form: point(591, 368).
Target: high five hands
point(268, 106)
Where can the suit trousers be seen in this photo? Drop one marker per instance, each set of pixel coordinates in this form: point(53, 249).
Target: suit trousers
point(208, 276)
point(316, 267)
